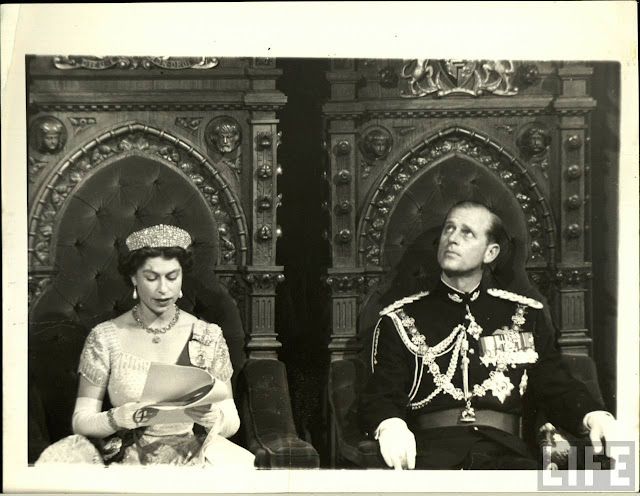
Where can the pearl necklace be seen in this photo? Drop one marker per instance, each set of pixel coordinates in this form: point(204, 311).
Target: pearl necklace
point(155, 332)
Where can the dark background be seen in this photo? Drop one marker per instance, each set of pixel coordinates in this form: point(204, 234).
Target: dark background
point(302, 319)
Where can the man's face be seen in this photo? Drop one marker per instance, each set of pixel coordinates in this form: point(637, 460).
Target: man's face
point(379, 146)
point(464, 245)
point(226, 141)
point(51, 141)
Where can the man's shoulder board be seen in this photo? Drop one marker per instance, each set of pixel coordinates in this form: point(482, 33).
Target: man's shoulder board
point(516, 298)
point(403, 301)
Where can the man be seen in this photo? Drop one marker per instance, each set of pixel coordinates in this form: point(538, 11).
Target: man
point(451, 366)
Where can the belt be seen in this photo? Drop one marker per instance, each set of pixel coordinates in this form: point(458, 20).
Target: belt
point(506, 422)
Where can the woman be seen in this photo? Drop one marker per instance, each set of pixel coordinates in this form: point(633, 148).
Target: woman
point(118, 355)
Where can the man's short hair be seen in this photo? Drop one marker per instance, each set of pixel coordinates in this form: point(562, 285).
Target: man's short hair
point(496, 232)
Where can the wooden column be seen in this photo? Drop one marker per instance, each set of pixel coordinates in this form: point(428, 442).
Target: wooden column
point(263, 275)
point(344, 278)
point(573, 277)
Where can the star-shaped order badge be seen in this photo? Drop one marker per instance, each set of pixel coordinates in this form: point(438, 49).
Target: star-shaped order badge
point(500, 385)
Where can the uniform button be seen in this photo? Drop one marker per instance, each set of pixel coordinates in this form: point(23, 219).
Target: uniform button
point(475, 428)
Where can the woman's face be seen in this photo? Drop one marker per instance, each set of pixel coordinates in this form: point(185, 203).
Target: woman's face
point(158, 282)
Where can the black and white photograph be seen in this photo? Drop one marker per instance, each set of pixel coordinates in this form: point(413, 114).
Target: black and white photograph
point(320, 264)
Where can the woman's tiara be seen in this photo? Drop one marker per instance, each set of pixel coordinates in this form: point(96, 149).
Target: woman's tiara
point(158, 236)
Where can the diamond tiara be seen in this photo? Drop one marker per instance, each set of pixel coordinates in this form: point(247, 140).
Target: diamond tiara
point(159, 236)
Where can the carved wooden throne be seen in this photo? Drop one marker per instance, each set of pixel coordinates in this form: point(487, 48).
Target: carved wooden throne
point(405, 141)
point(119, 143)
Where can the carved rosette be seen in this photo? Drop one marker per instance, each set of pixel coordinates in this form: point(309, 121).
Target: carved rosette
point(478, 148)
point(266, 231)
point(123, 62)
point(150, 142)
point(424, 77)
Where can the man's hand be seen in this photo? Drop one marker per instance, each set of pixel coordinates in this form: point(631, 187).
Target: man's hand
point(602, 426)
point(397, 444)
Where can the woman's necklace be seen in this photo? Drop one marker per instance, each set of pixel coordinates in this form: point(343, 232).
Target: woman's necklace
point(156, 332)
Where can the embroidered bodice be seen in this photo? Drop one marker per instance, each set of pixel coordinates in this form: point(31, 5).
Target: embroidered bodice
point(103, 362)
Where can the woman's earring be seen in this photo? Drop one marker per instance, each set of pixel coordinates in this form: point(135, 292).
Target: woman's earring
point(180, 295)
point(135, 293)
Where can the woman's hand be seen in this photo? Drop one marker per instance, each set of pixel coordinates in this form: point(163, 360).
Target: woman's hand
point(206, 415)
point(133, 415)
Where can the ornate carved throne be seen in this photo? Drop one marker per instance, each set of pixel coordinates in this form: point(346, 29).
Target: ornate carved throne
point(119, 143)
point(407, 139)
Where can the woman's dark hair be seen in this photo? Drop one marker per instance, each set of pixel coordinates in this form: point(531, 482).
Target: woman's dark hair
point(130, 262)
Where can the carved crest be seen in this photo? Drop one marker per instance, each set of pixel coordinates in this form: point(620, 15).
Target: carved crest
point(120, 62)
point(468, 77)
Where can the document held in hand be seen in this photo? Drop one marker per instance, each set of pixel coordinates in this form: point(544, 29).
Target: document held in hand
point(172, 390)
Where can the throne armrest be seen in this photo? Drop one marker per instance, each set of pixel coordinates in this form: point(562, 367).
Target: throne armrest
point(557, 442)
point(267, 419)
point(346, 379)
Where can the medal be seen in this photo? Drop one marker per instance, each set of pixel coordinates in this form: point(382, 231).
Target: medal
point(500, 385)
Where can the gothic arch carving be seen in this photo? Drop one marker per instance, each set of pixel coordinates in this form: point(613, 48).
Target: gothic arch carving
point(477, 147)
point(157, 144)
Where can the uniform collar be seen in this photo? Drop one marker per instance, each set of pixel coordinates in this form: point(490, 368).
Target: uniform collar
point(458, 296)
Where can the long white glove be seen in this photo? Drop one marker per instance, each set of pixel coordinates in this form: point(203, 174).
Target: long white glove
point(602, 426)
point(220, 417)
point(89, 420)
point(397, 444)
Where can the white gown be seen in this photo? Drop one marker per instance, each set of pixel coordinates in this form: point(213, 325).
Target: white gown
point(103, 362)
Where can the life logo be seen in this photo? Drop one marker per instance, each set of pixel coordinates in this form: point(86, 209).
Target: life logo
point(598, 474)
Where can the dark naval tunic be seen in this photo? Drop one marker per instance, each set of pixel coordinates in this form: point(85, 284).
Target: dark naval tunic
point(417, 357)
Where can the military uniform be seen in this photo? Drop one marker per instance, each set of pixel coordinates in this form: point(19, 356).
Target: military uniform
point(458, 368)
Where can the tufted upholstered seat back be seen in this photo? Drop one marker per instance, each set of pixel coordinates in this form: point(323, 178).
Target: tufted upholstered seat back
point(415, 225)
point(115, 200)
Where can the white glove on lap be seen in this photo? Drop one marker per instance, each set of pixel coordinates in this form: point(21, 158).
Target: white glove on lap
point(220, 418)
point(602, 426)
point(133, 415)
point(89, 420)
point(397, 444)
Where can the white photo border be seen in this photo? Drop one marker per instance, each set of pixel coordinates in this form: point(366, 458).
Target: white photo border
point(514, 30)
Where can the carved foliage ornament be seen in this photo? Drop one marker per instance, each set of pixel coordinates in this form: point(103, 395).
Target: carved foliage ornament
point(191, 124)
point(264, 280)
point(476, 147)
point(573, 276)
point(150, 142)
point(467, 77)
point(81, 123)
point(121, 62)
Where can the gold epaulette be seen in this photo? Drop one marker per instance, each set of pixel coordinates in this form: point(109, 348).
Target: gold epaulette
point(516, 298)
point(403, 301)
